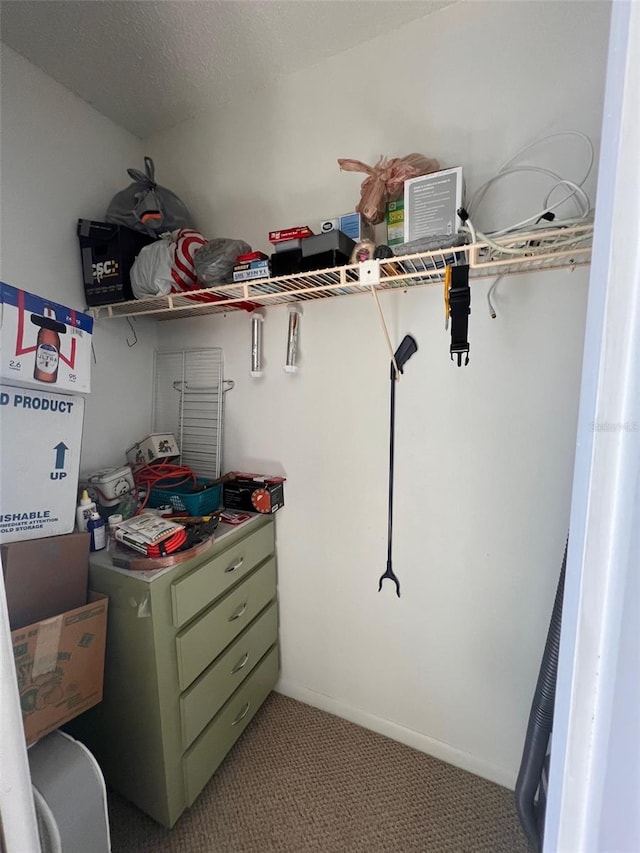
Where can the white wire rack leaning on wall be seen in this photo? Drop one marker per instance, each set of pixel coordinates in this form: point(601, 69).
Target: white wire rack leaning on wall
point(188, 401)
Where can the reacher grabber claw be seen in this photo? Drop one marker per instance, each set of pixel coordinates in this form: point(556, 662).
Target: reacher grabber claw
point(390, 575)
point(402, 355)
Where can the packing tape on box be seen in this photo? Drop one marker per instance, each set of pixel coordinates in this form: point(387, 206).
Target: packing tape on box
point(45, 658)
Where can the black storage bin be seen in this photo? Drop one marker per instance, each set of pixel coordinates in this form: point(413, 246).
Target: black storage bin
point(323, 261)
point(107, 252)
point(322, 251)
point(330, 241)
point(286, 263)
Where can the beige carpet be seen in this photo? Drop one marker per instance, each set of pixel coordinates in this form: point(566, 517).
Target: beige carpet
point(303, 780)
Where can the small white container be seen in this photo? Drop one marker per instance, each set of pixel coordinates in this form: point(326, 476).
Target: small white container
point(85, 510)
point(112, 484)
point(98, 530)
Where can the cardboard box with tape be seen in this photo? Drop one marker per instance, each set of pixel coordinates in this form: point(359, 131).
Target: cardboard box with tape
point(60, 666)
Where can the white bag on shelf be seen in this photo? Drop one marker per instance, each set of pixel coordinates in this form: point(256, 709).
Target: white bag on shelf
point(151, 271)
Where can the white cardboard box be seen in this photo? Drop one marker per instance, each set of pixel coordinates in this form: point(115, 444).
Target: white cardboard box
point(40, 437)
point(354, 225)
point(57, 361)
point(158, 445)
point(431, 204)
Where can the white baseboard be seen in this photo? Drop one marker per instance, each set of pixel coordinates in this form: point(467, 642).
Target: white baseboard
point(424, 743)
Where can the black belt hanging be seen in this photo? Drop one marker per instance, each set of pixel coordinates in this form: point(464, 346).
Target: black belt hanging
point(459, 297)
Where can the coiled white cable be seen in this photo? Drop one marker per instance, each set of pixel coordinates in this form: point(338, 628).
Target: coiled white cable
point(575, 188)
point(573, 192)
point(529, 248)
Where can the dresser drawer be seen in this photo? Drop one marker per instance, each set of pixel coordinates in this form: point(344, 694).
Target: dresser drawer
point(203, 640)
point(202, 701)
point(196, 590)
point(207, 753)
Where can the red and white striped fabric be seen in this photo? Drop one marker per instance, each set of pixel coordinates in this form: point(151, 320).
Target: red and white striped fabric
point(183, 271)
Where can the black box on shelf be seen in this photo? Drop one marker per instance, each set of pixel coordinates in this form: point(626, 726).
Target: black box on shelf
point(323, 251)
point(286, 263)
point(107, 252)
point(253, 493)
point(324, 260)
point(328, 242)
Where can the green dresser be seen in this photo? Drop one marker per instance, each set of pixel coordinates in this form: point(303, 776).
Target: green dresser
point(192, 652)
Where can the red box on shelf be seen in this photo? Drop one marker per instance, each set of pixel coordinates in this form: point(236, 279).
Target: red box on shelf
point(290, 234)
point(252, 256)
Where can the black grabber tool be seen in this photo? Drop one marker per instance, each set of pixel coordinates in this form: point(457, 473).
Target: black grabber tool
point(401, 357)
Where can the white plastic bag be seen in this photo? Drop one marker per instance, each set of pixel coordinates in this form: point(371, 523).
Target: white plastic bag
point(151, 271)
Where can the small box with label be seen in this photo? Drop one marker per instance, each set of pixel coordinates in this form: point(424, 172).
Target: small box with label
point(43, 344)
point(395, 222)
point(251, 269)
point(253, 492)
point(299, 232)
point(354, 225)
point(158, 445)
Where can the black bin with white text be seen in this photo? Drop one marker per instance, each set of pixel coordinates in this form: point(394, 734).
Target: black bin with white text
point(108, 252)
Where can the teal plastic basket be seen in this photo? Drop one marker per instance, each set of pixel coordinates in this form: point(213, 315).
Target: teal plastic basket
point(183, 497)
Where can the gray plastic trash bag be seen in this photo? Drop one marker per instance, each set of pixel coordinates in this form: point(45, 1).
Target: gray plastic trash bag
point(214, 262)
point(146, 206)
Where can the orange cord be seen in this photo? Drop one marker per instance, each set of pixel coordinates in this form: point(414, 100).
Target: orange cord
point(168, 546)
point(153, 474)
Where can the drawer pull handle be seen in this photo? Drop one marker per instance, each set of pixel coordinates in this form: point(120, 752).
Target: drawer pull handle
point(238, 612)
point(234, 566)
point(241, 664)
point(242, 714)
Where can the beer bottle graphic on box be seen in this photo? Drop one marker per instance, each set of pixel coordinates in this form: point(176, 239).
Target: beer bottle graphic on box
point(47, 346)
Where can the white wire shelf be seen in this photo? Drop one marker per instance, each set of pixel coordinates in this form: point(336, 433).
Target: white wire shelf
point(533, 251)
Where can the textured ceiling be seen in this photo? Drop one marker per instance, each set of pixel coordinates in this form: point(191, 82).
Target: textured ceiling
point(149, 64)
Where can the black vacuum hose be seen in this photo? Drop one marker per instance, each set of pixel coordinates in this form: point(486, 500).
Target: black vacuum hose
point(540, 725)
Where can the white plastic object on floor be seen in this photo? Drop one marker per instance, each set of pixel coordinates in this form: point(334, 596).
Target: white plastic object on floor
point(69, 795)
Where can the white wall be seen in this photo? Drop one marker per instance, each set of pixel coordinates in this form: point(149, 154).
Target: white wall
point(61, 161)
point(483, 454)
